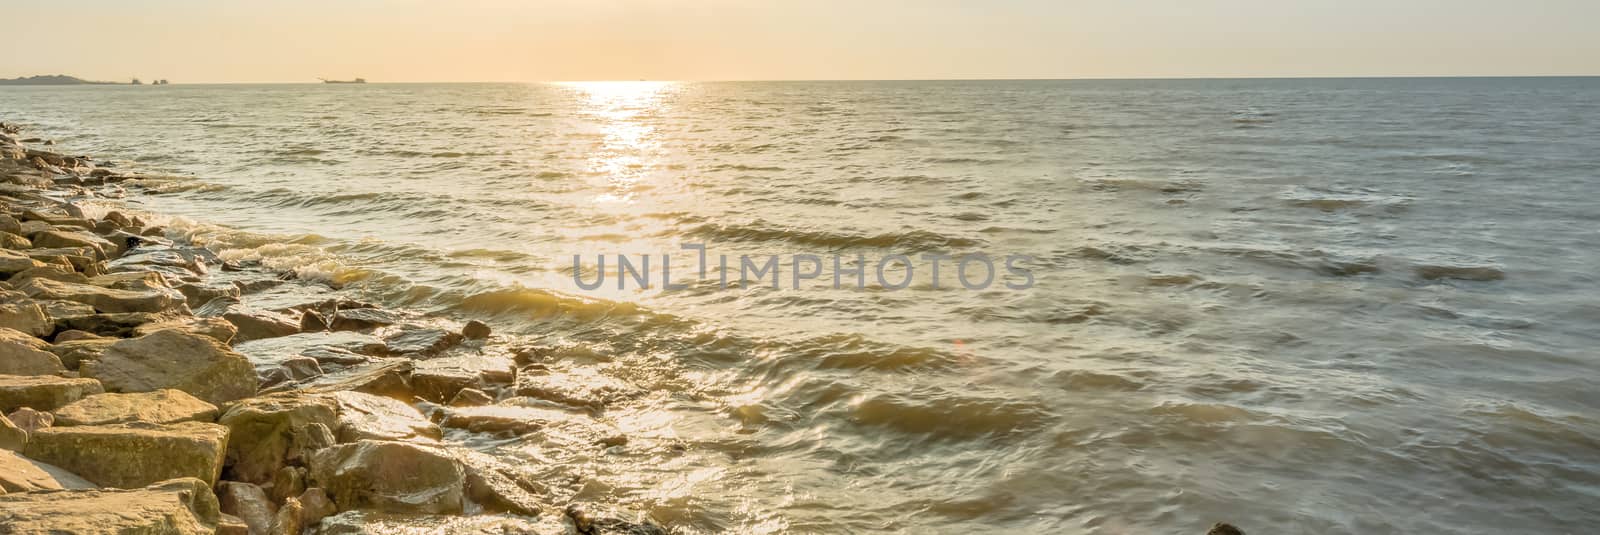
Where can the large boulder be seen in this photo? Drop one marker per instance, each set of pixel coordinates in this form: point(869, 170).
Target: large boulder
point(44, 392)
point(177, 507)
point(12, 263)
point(27, 317)
point(134, 455)
point(23, 354)
point(196, 364)
point(387, 476)
point(102, 248)
point(369, 417)
point(270, 430)
point(253, 324)
point(166, 406)
point(108, 300)
point(21, 474)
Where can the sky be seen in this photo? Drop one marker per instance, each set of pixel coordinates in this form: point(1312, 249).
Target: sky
point(551, 40)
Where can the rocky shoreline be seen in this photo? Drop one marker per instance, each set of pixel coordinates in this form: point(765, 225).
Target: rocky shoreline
point(148, 386)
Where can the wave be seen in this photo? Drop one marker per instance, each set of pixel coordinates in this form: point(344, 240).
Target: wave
point(912, 241)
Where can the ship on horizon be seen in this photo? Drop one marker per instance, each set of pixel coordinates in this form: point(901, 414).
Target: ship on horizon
point(355, 81)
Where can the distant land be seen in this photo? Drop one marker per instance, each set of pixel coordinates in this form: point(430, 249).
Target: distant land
point(62, 79)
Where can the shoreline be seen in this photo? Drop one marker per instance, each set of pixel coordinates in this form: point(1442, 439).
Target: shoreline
point(142, 388)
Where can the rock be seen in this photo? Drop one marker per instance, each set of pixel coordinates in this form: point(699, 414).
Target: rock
point(133, 455)
point(591, 519)
point(1223, 528)
point(288, 482)
point(192, 363)
point(102, 299)
point(288, 521)
point(177, 507)
point(253, 324)
point(21, 474)
point(269, 430)
point(22, 354)
point(421, 342)
point(232, 525)
point(389, 377)
point(119, 218)
point(471, 397)
point(27, 317)
point(102, 248)
point(369, 417)
point(497, 486)
point(390, 476)
point(439, 379)
point(317, 506)
point(216, 328)
point(360, 319)
point(476, 330)
point(53, 272)
point(10, 224)
point(164, 406)
point(12, 263)
point(56, 308)
point(502, 419)
point(198, 294)
point(13, 241)
point(311, 321)
point(137, 281)
point(375, 523)
point(73, 353)
point(75, 335)
point(302, 368)
point(119, 325)
point(31, 420)
point(580, 388)
point(180, 263)
point(247, 502)
point(12, 437)
point(45, 393)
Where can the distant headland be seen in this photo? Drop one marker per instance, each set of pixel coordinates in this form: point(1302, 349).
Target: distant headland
point(62, 79)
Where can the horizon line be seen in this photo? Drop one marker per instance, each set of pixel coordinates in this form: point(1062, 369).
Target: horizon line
point(993, 79)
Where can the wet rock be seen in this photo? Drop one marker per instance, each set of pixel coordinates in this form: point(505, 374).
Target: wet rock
point(1223, 528)
point(502, 419)
point(375, 523)
point(471, 397)
point(580, 388)
point(421, 342)
point(317, 506)
point(269, 430)
point(312, 321)
point(198, 294)
point(388, 377)
point(22, 354)
point(215, 328)
point(180, 263)
point(592, 519)
point(476, 330)
point(12, 437)
point(165, 406)
point(45, 393)
point(27, 317)
point(133, 455)
point(177, 507)
point(391, 477)
point(253, 324)
point(195, 364)
point(102, 299)
point(498, 486)
point(360, 319)
point(369, 417)
point(247, 502)
point(439, 380)
point(302, 368)
point(31, 420)
point(21, 474)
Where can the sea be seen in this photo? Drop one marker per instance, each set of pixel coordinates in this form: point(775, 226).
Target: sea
point(1296, 305)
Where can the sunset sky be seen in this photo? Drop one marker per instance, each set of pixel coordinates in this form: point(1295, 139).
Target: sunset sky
point(507, 40)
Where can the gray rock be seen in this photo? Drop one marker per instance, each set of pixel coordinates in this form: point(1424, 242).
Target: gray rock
point(133, 455)
point(317, 506)
point(476, 330)
point(177, 507)
point(192, 363)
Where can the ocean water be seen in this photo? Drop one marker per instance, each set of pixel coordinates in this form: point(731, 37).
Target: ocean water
point(1302, 306)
